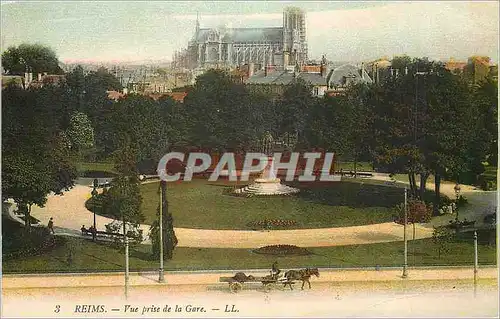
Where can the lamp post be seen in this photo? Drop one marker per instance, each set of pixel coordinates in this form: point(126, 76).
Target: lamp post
point(405, 266)
point(125, 237)
point(94, 194)
point(475, 262)
point(457, 194)
point(161, 277)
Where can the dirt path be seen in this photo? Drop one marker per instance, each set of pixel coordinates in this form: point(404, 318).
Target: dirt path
point(425, 293)
point(70, 214)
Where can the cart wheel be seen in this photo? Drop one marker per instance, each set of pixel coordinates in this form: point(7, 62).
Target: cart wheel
point(267, 287)
point(235, 287)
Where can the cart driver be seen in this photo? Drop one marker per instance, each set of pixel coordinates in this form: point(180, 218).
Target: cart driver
point(275, 271)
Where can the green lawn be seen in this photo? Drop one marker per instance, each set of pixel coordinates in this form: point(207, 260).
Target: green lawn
point(349, 166)
point(203, 204)
point(91, 169)
point(89, 256)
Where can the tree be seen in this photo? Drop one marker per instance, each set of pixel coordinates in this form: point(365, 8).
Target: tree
point(80, 132)
point(417, 212)
point(442, 236)
point(423, 125)
point(292, 109)
point(35, 58)
point(36, 160)
point(219, 111)
point(169, 238)
point(358, 122)
point(123, 201)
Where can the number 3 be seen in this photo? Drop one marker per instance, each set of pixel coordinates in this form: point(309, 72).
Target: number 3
point(58, 308)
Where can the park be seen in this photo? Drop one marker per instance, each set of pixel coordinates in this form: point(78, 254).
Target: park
point(86, 197)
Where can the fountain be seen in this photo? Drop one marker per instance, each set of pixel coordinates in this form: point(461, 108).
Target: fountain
point(267, 184)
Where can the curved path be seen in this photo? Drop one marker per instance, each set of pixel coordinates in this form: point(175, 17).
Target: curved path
point(70, 214)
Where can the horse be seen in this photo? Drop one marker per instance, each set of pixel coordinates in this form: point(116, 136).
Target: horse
point(303, 274)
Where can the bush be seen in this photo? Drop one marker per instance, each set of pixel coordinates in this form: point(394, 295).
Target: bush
point(272, 224)
point(133, 231)
point(490, 219)
point(442, 237)
point(282, 250)
point(418, 212)
point(461, 201)
point(16, 242)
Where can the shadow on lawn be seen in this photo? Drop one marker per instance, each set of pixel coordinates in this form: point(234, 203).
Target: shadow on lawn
point(355, 195)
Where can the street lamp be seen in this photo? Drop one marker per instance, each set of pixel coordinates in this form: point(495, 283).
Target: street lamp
point(405, 266)
point(94, 194)
point(475, 263)
point(457, 194)
point(161, 277)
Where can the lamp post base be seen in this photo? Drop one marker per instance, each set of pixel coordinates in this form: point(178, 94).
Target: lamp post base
point(161, 277)
point(405, 273)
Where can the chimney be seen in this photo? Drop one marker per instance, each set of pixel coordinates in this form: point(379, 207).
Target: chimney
point(266, 70)
point(39, 78)
point(251, 67)
point(286, 57)
point(322, 69)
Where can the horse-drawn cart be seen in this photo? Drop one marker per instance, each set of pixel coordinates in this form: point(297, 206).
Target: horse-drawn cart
point(236, 282)
point(289, 278)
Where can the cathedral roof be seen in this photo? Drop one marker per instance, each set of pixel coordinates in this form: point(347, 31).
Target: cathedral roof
point(244, 35)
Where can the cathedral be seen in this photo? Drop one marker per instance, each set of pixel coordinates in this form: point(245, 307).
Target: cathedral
point(231, 47)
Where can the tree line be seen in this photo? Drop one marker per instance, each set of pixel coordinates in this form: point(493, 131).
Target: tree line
point(423, 121)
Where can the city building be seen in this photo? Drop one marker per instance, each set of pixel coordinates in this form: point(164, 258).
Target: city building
point(339, 79)
point(477, 69)
point(455, 67)
point(27, 81)
point(227, 47)
point(273, 80)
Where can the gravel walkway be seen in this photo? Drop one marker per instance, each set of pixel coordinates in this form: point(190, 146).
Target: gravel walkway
point(70, 214)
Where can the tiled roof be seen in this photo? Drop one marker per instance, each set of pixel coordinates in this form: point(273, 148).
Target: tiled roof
point(313, 78)
point(281, 77)
point(337, 76)
point(114, 95)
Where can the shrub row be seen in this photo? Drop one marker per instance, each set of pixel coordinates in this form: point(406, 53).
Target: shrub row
point(282, 250)
point(272, 223)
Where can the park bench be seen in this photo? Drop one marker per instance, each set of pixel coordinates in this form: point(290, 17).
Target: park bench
point(102, 234)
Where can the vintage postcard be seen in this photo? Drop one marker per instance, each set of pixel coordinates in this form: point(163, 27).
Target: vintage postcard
point(249, 159)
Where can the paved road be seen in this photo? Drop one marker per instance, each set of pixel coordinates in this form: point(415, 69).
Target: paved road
point(429, 293)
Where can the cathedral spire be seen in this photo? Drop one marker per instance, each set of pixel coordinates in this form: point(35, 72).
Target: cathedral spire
point(197, 21)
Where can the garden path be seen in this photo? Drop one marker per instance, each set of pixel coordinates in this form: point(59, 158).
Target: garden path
point(70, 214)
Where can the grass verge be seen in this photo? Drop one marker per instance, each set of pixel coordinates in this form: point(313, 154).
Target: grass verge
point(89, 256)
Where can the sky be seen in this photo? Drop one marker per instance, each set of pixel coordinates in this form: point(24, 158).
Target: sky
point(112, 31)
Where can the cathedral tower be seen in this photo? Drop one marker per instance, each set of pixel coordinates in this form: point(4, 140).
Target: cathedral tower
point(294, 35)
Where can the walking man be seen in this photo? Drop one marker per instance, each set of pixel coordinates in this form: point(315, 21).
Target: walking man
point(50, 226)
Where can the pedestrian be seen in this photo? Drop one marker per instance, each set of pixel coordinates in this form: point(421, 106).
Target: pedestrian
point(50, 225)
point(83, 229)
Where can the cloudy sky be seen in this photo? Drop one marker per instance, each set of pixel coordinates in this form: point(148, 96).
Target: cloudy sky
point(345, 31)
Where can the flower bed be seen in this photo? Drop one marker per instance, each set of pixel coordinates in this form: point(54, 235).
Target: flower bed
point(272, 224)
point(282, 250)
